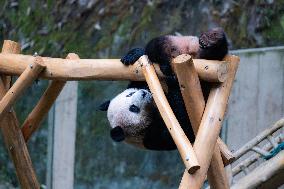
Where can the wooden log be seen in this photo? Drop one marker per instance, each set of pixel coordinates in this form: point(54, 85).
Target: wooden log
point(101, 69)
point(14, 140)
point(183, 144)
point(193, 98)
point(210, 126)
point(256, 140)
point(253, 158)
point(10, 46)
point(32, 123)
point(217, 176)
point(22, 83)
point(195, 104)
point(259, 177)
point(227, 156)
point(190, 89)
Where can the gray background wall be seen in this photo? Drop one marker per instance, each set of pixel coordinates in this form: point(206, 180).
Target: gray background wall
point(257, 99)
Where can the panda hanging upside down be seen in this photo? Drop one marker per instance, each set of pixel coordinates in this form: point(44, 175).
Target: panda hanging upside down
point(133, 115)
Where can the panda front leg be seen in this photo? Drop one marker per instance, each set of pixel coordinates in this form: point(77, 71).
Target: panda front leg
point(156, 51)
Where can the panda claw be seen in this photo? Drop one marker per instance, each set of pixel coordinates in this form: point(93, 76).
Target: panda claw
point(132, 56)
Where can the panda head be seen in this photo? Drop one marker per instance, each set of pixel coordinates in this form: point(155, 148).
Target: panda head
point(129, 115)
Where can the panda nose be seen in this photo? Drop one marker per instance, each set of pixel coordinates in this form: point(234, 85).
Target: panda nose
point(117, 134)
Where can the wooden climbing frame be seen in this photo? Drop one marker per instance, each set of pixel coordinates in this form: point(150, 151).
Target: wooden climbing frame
point(253, 178)
point(201, 159)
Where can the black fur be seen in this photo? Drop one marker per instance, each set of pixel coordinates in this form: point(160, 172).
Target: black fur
point(117, 134)
point(213, 44)
point(159, 51)
point(132, 56)
point(104, 106)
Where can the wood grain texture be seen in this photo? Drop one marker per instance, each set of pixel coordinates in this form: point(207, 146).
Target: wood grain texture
point(22, 83)
point(227, 155)
point(217, 176)
point(101, 69)
point(195, 104)
point(183, 144)
point(211, 124)
point(32, 122)
point(14, 139)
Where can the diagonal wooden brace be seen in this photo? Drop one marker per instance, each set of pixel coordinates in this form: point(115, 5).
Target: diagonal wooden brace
point(210, 125)
point(195, 104)
point(183, 144)
point(24, 81)
point(32, 122)
point(13, 137)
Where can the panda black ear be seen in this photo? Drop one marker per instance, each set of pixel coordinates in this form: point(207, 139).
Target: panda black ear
point(117, 134)
point(104, 106)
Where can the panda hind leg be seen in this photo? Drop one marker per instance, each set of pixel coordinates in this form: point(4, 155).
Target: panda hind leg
point(213, 44)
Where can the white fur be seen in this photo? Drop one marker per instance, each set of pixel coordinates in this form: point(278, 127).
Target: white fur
point(133, 124)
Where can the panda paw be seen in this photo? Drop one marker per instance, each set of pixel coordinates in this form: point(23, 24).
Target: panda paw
point(132, 56)
point(212, 38)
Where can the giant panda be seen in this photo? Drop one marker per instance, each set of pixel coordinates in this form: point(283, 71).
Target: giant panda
point(133, 115)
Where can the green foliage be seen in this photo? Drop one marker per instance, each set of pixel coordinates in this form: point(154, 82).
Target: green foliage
point(275, 31)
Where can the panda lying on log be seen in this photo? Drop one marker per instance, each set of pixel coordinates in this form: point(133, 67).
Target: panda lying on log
point(133, 115)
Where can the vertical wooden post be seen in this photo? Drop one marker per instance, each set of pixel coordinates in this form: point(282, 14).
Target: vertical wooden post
point(195, 104)
point(210, 125)
point(32, 122)
point(10, 47)
point(13, 137)
point(183, 144)
point(62, 136)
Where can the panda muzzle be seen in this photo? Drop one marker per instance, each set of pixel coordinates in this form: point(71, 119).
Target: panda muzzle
point(117, 134)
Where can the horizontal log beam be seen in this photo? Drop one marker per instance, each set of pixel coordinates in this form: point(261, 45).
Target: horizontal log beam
point(102, 69)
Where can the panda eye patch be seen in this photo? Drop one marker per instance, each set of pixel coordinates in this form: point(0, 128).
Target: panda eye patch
point(130, 94)
point(134, 109)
